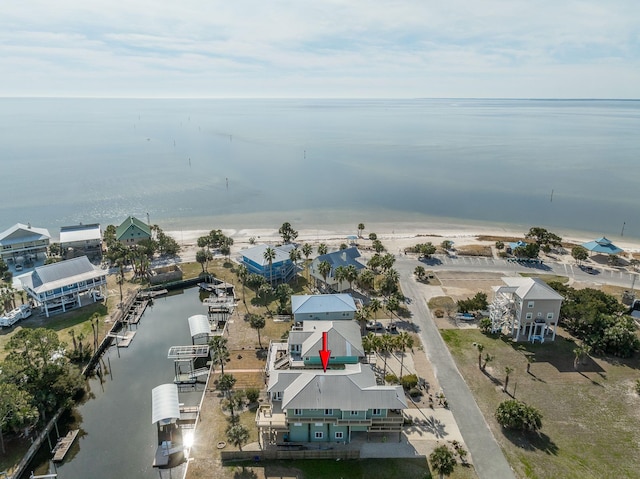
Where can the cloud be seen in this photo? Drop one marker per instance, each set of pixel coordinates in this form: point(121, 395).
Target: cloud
point(325, 48)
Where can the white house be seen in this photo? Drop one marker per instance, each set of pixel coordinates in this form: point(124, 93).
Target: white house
point(527, 308)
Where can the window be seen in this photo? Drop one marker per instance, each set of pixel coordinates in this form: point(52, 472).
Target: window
point(277, 396)
point(530, 304)
point(297, 412)
point(339, 435)
point(328, 412)
point(319, 435)
point(529, 316)
point(539, 314)
point(354, 413)
point(549, 315)
point(376, 412)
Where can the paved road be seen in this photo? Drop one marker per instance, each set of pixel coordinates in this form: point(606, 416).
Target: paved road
point(487, 456)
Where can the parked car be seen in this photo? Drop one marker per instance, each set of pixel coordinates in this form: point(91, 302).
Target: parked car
point(589, 269)
point(374, 326)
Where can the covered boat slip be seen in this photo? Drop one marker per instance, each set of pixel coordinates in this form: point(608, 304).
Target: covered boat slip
point(190, 363)
point(201, 327)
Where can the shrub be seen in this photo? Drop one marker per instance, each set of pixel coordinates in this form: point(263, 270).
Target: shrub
point(391, 378)
point(252, 394)
point(638, 386)
point(439, 313)
point(409, 381)
point(485, 325)
point(415, 392)
point(513, 414)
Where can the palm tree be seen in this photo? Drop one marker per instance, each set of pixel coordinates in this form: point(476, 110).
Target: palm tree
point(307, 249)
point(403, 341)
point(324, 268)
point(375, 305)
point(322, 249)
point(264, 291)
point(370, 343)
point(237, 434)
point(507, 370)
point(385, 345)
point(295, 255)
point(340, 275)
point(480, 348)
point(257, 322)
point(442, 461)
point(243, 275)
point(351, 275)
point(366, 279)
point(361, 316)
point(269, 256)
point(219, 351)
point(360, 229)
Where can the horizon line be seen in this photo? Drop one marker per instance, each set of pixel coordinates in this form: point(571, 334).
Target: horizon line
point(88, 97)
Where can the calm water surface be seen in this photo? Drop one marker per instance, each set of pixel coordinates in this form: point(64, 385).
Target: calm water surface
point(255, 163)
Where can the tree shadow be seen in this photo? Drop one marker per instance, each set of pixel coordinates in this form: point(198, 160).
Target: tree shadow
point(532, 441)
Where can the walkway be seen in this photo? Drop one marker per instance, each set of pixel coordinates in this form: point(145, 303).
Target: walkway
point(487, 456)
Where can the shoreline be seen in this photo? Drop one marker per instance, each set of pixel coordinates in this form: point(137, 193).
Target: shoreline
point(395, 236)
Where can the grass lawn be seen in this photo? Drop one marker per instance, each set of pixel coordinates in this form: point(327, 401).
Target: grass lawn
point(547, 278)
point(591, 418)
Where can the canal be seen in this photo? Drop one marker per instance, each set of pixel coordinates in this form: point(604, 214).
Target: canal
point(117, 439)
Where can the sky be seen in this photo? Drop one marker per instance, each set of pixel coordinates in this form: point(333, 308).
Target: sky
point(321, 48)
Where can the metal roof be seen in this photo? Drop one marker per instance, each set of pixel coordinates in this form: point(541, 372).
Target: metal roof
point(602, 245)
point(132, 221)
point(63, 273)
point(164, 403)
point(344, 257)
point(72, 234)
point(256, 254)
point(322, 303)
point(20, 233)
point(199, 325)
point(343, 338)
point(532, 289)
point(350, 389)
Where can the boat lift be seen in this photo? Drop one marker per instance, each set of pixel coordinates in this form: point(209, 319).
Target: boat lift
point(184, 361)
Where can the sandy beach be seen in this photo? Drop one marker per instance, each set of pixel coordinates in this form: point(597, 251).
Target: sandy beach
point(395, 236)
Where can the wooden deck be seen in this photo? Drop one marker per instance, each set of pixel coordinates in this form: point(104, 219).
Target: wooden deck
point(123, 340)
point(64, 444)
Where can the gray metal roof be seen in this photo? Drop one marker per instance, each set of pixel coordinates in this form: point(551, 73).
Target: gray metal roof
point(343, 338)
point(164, 403)
point(63, 273)
point(532, 289)
point(351, 389)
point(322, 303)
point(199, 325)
point(20, 233)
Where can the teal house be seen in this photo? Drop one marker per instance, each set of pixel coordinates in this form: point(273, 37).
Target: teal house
point(311, 406)
point(132, 231)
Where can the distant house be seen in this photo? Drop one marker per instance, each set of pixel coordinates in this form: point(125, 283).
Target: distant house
point(24, 241)
point(527, 308)
point(281, 269)
point(307, 404)
point(325, 307)
point(58, 287)
point(132, 231)
point(511, 247)
point(81, 240)
point(344, 258)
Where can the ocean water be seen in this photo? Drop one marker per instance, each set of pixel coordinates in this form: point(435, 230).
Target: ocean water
point(564, 165)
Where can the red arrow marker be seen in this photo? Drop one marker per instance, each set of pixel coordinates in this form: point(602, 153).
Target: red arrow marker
point(324, 353)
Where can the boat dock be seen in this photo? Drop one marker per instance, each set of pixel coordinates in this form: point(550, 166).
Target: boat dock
point(64, 444)
point(123, 340)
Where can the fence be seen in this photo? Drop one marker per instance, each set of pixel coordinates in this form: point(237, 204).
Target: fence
point(275, 454)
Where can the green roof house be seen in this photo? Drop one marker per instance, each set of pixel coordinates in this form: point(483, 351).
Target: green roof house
point(132, 231)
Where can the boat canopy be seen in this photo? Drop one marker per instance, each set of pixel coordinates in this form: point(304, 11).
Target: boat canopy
point(165, 404)
point(199, 326)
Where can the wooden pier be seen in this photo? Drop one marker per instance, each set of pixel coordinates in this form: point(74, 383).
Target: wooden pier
point(123, 340)
point(64, 444)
